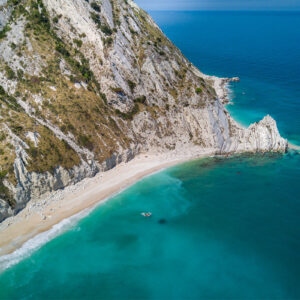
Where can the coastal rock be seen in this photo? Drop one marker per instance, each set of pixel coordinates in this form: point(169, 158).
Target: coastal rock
point(258, 137)
point(101, 84)
point(5, 210)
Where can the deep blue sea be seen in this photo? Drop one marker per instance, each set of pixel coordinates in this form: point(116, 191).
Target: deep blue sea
point(222, 228)
point(262, 48)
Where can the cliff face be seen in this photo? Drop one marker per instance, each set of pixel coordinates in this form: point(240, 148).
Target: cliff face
point(85, 85)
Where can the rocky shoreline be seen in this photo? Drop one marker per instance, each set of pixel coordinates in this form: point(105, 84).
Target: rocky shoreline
point(120, 88)
point(221, 86)
point(40, 215)
point(252, 139)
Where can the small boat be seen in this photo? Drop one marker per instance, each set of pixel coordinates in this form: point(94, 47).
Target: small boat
point(147, 215)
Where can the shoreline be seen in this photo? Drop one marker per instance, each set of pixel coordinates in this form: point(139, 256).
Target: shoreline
point(49, 212)
point(41, 215)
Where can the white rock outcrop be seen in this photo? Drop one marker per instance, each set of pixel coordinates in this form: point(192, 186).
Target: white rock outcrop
point(262, 136)
point(177, 107)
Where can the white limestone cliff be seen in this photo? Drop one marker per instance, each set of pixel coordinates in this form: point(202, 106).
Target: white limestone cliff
point(182, 108)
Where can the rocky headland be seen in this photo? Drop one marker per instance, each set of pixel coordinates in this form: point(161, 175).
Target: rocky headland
point(88, 85)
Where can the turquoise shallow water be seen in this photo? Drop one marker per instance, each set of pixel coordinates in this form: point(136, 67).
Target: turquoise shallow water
point(231, 231)
point(221, 228)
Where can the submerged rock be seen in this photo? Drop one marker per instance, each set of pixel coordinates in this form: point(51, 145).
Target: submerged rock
point(162, 221)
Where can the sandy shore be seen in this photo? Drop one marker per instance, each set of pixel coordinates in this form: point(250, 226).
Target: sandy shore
point(42, 214)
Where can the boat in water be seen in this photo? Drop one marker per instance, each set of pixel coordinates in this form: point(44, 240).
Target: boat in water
point(146, 214)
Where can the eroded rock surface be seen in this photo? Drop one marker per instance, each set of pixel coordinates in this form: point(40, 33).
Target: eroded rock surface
point(86, 85)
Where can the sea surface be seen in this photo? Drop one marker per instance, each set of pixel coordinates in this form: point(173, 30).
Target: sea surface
point(262, 48)
point(222, 228)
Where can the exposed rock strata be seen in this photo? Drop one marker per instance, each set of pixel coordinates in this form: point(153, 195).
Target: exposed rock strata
point(134, 90)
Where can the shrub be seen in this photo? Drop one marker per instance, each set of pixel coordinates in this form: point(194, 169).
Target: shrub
point(70, 127)
point(95, 6)
point(20, 74)
point(118, 90)
point(12, 103)
point(135, 109)
point(39, 15)
point(33, 152)
point(15, 2)
point(78, 42)
point(63, 128)
point(4, 31)
point(131, 85)
point(85, 141)
point(198, 91)
point(22, 10)
point(108, 41)
point(141, 99)
point(3, 174)
point(2, 137)
point(132, 31)
point(10, 73)
point(61, 49)
point(96, 18)
point(129, 115)
point(13, 46)
point(105, 29)
point(84, 69)
point(17, 129)
point(104, 98)
point(2, 91)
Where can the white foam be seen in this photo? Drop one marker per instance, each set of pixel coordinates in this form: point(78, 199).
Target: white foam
point(32, 245)
point(230, 93)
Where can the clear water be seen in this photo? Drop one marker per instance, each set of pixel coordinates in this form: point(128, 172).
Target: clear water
point(221, 228)
point(262, 48)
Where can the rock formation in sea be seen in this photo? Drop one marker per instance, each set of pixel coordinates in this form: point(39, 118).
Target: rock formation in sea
point(87, 84)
